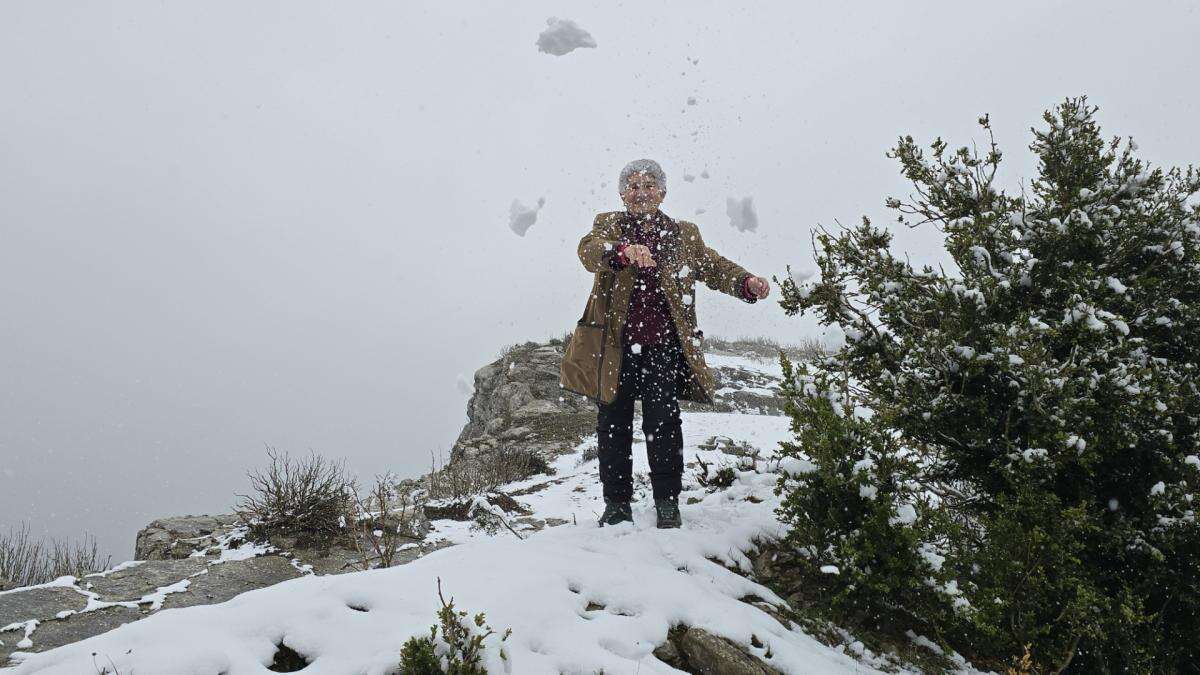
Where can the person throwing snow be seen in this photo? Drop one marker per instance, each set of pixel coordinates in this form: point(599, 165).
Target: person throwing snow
point(638, 339)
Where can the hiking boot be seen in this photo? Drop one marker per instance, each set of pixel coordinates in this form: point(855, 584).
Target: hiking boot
point(668, 512)
point(616, 512)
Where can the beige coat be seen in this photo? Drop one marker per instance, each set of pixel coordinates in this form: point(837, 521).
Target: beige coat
point(592, 363)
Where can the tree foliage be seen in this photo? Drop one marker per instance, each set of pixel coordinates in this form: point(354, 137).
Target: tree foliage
point(1005, 453)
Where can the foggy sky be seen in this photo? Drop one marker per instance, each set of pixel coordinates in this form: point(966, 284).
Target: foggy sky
point(226, 225)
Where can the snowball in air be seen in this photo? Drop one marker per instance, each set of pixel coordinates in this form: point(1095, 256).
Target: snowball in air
point(741, 213)
point(520, 217)
point(563, 36)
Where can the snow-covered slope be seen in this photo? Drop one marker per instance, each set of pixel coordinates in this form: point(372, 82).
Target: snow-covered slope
point(578, 598)
point(637, 580)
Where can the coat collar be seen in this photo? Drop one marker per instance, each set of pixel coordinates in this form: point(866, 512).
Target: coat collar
point(627, 221)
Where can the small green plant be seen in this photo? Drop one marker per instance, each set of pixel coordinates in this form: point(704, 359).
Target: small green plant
point(417, 657)
point(458, 651)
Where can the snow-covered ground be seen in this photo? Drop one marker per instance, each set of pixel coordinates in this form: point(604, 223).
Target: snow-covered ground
point(540, 586)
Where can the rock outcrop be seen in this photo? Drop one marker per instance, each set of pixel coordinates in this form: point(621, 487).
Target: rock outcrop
point(517, 401)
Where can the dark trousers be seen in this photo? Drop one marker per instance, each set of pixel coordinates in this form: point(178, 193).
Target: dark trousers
point(653, 376)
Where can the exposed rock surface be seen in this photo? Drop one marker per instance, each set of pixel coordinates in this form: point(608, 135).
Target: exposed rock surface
point(695, 650)
point(178, 536)
point(517, 401)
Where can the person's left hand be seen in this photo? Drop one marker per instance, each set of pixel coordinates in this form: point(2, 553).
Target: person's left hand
point(759, 286)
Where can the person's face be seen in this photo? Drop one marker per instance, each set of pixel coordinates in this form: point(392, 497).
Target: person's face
point(642, 193)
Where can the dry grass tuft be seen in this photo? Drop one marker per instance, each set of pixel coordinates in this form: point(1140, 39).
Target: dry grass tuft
point(25, 561)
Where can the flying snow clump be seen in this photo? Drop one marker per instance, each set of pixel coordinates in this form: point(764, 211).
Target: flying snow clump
point(520, 217)
point(741, 213)
point(563, 36)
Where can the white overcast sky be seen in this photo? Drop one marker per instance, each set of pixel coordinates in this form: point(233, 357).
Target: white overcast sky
point(231, 224)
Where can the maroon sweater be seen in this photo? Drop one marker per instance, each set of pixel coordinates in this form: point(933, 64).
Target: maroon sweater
point(649, 319)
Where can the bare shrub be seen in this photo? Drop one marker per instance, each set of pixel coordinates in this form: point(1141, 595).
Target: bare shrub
point(297, 496)
point(508, 464)
point(383, 521)
point(25, 561)
point(451, 480)
point(482, 472)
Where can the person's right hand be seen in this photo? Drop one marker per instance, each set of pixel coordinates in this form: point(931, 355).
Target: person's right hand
point(639, 255)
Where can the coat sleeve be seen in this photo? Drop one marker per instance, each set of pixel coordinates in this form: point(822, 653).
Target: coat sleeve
point(718, 272)
point(598, 248)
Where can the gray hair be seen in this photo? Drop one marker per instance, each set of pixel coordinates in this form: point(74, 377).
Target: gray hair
point(642, 166)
